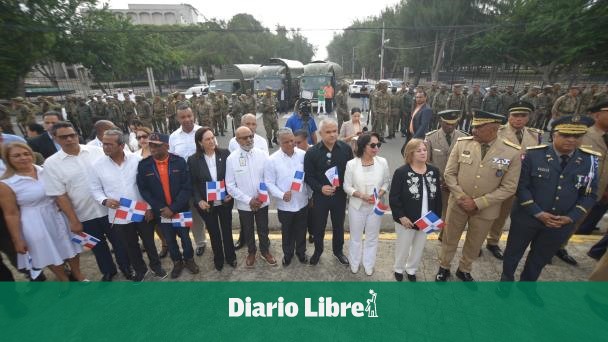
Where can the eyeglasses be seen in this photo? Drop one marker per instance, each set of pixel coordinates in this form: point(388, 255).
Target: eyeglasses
point(374, 145)
point(142, 137)
point(66, 136)
point(246, 137)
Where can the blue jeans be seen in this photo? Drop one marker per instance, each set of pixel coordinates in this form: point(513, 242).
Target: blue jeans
point(101, 228)
point(171, 235)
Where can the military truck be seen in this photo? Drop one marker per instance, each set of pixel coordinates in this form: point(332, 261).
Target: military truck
point(233, 78)
point(316, 75)
point(279, 73)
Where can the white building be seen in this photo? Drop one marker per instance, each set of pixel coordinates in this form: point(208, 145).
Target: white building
point(151, 14)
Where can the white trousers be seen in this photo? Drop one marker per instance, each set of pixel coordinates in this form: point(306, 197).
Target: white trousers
point(408, 249)
point(363, 220)
point(319, 105)
point(198, 227)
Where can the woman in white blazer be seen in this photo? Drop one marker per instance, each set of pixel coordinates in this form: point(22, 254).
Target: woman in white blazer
point(366, 172)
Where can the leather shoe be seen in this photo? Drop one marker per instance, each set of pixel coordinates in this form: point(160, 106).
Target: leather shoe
point(238, 245)
point(108, 276)
point(178, 267)
point(303, 259)
point(464, 276)
point(285, 261)
point(163, 252)
point(219, 267)
point(442, 275)
point(269, 259)
point(594, 257)
point(128, 273)
point(563, 254)
point(200, 250)
point(398, 276)
point(496, 251)
point(232, 263)
point(250, 261)
point(411, 277)
point(191, 266)
point(314, 259)
point(342, 259)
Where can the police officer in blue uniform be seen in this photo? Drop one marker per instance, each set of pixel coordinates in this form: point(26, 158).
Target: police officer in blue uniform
point(557, 186)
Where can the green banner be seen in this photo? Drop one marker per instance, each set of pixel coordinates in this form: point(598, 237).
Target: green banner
point(312, 311)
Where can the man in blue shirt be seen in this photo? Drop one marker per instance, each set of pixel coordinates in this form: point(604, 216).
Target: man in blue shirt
point(303, 120)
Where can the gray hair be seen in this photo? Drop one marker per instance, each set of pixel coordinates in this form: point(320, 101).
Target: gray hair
point(326, 122)
point(113, 132)
point(247, 116)
point(283, 131)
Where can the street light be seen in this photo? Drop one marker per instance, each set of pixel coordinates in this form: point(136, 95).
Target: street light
point(384, 41)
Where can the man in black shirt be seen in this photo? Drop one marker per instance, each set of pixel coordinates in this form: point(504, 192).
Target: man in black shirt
point(321, 157)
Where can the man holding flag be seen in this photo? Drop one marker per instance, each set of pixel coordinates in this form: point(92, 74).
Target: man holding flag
point(284, 176)
point(114, 185)
point(330, 153)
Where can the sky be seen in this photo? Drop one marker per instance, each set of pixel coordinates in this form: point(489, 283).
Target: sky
point(318, 20)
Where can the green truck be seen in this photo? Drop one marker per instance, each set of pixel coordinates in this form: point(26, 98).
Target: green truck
point(234, 78)
point(279, 73)
point(316, 75)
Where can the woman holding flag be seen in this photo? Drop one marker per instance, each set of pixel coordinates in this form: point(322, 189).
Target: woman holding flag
point(366, 179)
point(414, 196)
point(208, 170)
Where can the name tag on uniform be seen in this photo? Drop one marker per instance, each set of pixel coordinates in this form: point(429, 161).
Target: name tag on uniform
point(243, 161)
point(501, 161)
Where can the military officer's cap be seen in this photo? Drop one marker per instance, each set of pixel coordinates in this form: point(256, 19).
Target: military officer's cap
point(572, 124)
point(600, 107)
point(481, 117)
point(17, 99)
point(521, 107)
point(268, 88)
point(450, 116)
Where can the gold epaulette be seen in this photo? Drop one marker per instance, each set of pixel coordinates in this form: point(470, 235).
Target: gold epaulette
point(535, 147)
point(431, 132)
point(536, 130)
point(590, 151)
point(507, 142)
point(465, 138)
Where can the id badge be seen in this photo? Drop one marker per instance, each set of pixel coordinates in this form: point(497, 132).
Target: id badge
point(242, 161)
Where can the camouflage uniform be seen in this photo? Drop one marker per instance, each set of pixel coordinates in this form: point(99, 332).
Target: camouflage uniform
point(220, 111)
point(587, 98)
point(523, 91)
point(129, 110)
point(565, 105)
point(86, 118)
point(440, 101)
point(431, 94)
point(23, 114)
point(506, 99)
point(71, 109)
point(342, 106)
point(144, 110)
point(458, 101)
point(249, 103)
point(159, 113)
point(491, 103)
point(543, 109)
point(205, 112)
point(171, 112)
point(381, 105)
point(237, 111)
point(114, 113)
point(396, 112)
point(267, 107)
point(532, 98)
point(5, 120)
point(98, 110)
point(408, 105)
point(474, 101)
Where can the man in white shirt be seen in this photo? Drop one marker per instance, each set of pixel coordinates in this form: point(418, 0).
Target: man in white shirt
point(100, 127)
point(181, 143)
point(244, 175)
point(292, 204)
point(66, 177)
point(114, 177)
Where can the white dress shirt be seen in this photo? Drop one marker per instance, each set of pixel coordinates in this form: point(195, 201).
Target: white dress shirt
point(110, 180)
point(68, 174)
point(244, 173)
point(278, 176)
point(258, 142)
point(182, 143)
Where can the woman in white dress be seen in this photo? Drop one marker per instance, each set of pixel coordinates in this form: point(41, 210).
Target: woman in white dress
point(38, 229)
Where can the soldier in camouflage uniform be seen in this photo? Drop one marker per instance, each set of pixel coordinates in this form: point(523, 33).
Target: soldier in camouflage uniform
point(249, 102)
point(236, 112)
point(71, 109)
point(440, 101)
point(431, 94)
point(159, 118)
point(98, 109)
point(381, 109)
point(567, 104)
point(220, 113)
point(85, 116)
point(23, 114)
point(543, 108)
point(267, 107)
point(474, 101)
point(5, 120)
point(52, 104)
point(601, 96)
point(408, 107)
point(172, 111)
point(342, 105)
point(396, 113)
point(506, 99)
point(456, 100)
point(205, 111)
point(532, 98)
point(144, 110)
point(557, 91)
point(524, 91)
point(114, 113)
point(491, 102)
point(465, 91)
point(587, 98)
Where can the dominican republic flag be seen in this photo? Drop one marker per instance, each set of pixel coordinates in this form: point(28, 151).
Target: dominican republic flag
point(216, 190)
point(332, 176)
point(182, 220)
point(130, 211)
point(379, 207)
point(34, 272)
point(429, 223)
point(298, 180)
point(85, 240)
point(263, 193)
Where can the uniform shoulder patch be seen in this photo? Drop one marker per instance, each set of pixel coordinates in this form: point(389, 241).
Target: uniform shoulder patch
point(536, 147)
point(590, 151)
point(507, 142)
point(431, 132)
point(465, 138)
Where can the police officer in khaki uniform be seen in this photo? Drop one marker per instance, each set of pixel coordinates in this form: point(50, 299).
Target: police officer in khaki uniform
point(482, 172)
point(516, 132)
point(439, 144)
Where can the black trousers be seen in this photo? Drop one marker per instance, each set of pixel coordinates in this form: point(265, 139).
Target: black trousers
point(598, 250)
point(543, 242)
point(219, 225)
point(336, 206)
point(293, 232)
point(145, 230)
point(127, 233)
point(260, 219)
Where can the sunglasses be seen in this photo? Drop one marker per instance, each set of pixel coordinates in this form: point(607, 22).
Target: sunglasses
point(374, 145)
point(142, 137)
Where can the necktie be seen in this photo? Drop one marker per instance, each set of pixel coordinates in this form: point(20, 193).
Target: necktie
point(520, 135)
point(448, 138)
point(564, 162)
point(484, 150)
point(605, 136)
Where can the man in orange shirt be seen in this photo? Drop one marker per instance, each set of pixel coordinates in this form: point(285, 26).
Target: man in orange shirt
point(329, 98)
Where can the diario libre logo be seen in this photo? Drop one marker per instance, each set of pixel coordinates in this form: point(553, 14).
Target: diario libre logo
point(319, 307)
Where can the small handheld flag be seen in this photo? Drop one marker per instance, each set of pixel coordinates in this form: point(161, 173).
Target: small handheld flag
point(85, 240)
point(263, 193)
point(130, 211)
point(216, 190)
point(182, 220)
point(34, 272)
point(429, 223)
point(379, 207)
point(332, 176)
point(298, 180)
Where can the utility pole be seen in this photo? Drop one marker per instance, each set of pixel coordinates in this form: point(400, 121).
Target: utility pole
point(382, 54)
point(352, 64)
